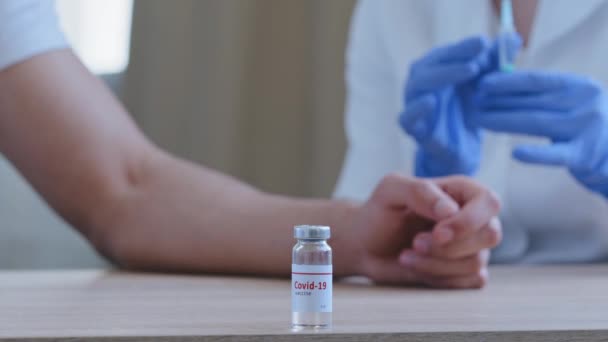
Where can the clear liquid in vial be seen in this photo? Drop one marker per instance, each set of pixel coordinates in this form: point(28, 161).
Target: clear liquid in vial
point(311, 320)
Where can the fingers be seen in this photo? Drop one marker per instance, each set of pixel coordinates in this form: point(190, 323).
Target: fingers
point(557, 101)
point(422, 196)
point(428, 79)
point(466, 273)
point(510, 43)
point(543, 104)
point(506, 93)
point(458, 52)
point(479, 206)
point(389, 272)
point(550, 124)
point(557, 154)
point(523, 82)
point(530, 89)
point(486, 238)
point(423, 243)
point(439, 267)
point(447, 65)
point(417, 112)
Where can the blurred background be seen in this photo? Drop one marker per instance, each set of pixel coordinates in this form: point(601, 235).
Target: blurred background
point(252, 88)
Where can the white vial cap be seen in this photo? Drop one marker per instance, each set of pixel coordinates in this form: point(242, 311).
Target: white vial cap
point(311, 232)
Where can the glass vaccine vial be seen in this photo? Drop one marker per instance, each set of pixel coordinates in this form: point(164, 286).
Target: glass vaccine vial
point(311, 278)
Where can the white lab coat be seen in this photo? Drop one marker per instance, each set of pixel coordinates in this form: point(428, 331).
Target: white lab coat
point(547, 215)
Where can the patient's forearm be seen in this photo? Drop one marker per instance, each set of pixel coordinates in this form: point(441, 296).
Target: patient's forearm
point(192, 219)
point(75, 143)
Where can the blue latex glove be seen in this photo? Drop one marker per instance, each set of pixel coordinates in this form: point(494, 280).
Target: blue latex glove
point(439, 95)
point(570, 110)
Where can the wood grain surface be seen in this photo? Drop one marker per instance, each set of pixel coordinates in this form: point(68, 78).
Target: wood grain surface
point(556, 303)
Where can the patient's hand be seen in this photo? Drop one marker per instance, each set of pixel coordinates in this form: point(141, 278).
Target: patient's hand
point(428, 232)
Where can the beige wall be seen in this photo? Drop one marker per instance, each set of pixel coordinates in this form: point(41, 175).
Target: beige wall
point(253, 88)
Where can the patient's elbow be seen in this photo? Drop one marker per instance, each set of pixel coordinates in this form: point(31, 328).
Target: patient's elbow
point(110, 237)
point(116, 225)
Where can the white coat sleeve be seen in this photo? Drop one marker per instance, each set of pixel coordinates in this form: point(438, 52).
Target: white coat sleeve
point(28, 28)
point(372, 106)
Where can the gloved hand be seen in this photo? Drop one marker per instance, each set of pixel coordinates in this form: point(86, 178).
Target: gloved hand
point(439, 95)
point(570, 110)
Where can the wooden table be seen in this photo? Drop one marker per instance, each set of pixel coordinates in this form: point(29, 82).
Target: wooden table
point(521, 303)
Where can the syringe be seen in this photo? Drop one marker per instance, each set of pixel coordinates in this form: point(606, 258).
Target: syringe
point(506, 56)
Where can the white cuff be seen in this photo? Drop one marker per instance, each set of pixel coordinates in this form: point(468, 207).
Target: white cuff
point(28, 28)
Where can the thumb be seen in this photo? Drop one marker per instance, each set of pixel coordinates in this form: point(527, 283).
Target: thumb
point(390, 272)
point(558, 154)
point(446, 66)
point(423, 197)
point(513, 44)
point(418, 112)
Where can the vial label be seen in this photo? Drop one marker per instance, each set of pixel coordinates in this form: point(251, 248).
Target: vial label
point(311, 288)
